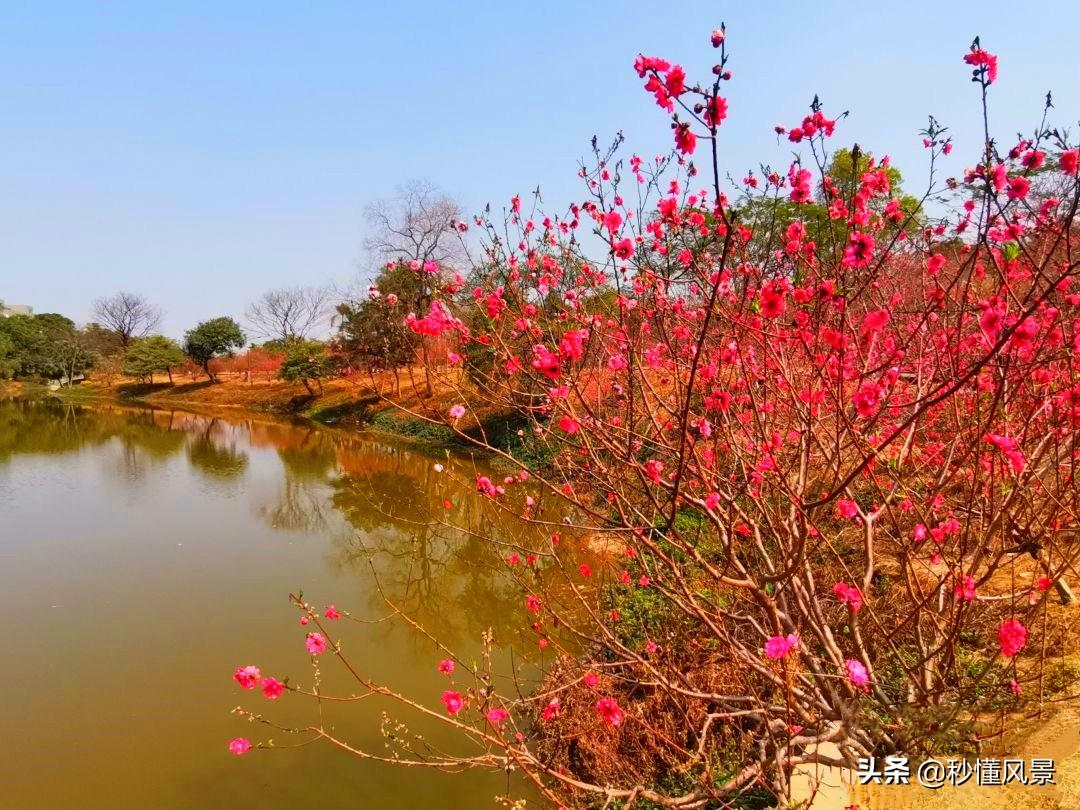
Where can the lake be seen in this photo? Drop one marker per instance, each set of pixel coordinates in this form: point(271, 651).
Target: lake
point(145, 554)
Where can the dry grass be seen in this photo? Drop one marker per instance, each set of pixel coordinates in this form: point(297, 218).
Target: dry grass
point(657, 742)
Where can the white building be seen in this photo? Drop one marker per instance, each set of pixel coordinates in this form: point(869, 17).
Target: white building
point(7, 310)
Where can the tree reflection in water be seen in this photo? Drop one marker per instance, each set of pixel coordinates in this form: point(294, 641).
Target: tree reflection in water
point(176, 519)
point(381, 505)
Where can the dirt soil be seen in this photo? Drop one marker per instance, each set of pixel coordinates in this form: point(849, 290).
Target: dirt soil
point(341, 401)
point(1057, 738)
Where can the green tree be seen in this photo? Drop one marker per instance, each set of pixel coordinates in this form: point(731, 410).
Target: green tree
point(307, 362)
point(150, 355)
point(8, 365)
point(71, 355)
point(102, 341)
point(372, 335)
point(210, 339)
point(770, 216)
point(39, 346)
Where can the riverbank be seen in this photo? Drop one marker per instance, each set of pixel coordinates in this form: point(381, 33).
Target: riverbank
point(342, 401)
point(350, 404)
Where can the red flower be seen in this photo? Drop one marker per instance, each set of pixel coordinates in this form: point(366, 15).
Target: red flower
point(1070, 161)
point(685, 140)
point(608, 708)
point(240, 746)
point(716, 111)
point(485, 486)
point(867, 399)
point(331, 612)
point(847, 508)
point(777, 647)
point(859, 250)
point(1019, 188)
point(1033, 159)
point(675, 81)
point(646, 63)
point(273, 688)
point(981, 59)
point(653, 468)
point(437, 321)
point(773, 299)
point(1010, 449)
point(452, 701)
point(247, 677)
point(497, 716)
point(849, 595)
point(315, 643)
point(546, 362)
point(624, 249)
point(965, 588)
point(1012, 637)
point(875, 321)
point(999, 176)
point(572, 345)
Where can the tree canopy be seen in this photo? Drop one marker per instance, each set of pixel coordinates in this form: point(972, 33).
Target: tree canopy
point(307, 362)
point(213, 338)
point(151, 355)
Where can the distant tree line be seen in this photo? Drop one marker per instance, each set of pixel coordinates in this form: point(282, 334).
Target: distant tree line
point(416, 230)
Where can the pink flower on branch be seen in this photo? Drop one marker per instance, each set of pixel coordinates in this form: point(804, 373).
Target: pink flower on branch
point(857, 674)
point(1012, 637)
point(849, 595)
point(315, 643)
point(1010, 449)
point(240, 746)
point(983, 60)
point(497, 716)
point(608, 708)
point(452, 701)
point(272, 688)
point(778, 647)
point(247, 677)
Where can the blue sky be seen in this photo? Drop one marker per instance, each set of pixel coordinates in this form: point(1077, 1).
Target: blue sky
point(201, 153)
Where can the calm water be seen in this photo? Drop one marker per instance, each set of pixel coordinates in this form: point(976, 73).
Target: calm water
point(144, 554)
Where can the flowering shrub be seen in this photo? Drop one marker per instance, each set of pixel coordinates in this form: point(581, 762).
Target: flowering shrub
point(816, 438)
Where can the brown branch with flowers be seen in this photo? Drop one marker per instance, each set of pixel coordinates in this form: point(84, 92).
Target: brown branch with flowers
point(805, 443)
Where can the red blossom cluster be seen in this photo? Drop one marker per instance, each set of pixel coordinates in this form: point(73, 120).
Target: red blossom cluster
point(749, 397)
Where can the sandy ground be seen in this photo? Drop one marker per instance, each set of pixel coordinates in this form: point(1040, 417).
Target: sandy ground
point(1057, 738)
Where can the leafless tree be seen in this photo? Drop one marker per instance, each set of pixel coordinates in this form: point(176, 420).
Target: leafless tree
point(130, 315)
point(419, 223)
point(289, 313)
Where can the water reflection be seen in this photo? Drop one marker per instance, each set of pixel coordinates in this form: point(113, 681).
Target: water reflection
point(172, 520)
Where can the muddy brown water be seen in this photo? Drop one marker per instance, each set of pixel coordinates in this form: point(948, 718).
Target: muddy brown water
point(145, 554)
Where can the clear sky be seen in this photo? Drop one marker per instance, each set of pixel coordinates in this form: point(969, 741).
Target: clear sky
point(203, 152)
